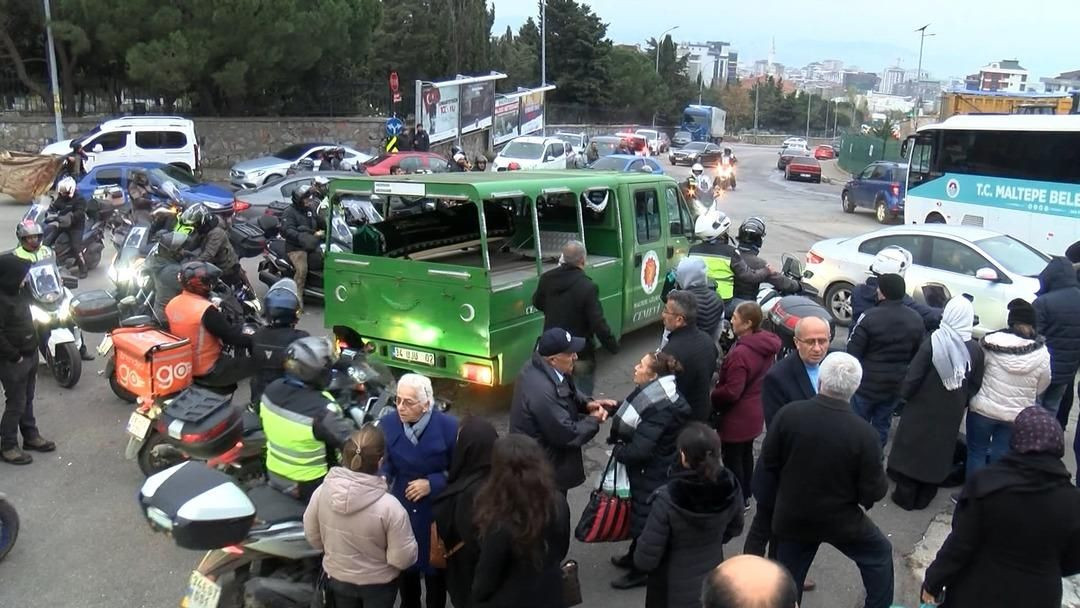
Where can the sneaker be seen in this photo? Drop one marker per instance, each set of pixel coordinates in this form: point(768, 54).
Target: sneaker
point(85, 354)
point(39, 444)
point(626, 562)
point(15, 455)
point(630, 580)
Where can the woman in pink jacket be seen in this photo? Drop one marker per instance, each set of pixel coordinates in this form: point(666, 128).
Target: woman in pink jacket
point(363, 531)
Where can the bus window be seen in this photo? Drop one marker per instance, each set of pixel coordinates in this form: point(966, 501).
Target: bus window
point(1028, 155)
point(647, 216)
point(920, 167)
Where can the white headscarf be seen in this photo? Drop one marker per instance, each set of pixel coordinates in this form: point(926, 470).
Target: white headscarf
point(949, 351)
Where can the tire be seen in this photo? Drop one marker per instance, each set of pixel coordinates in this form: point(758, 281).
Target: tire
point(838, 302)
point(93, 260)
point(845, 202)
point(119, 391)
point(9, 527)
point(880, 212)
point(787, 175)
point(934, 218)
point(66, 365)
point(157, 454)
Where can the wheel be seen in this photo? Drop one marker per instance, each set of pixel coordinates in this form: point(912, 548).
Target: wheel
point(817, 180)
point(935, 218)
point(119, 391)
point(845, 202)
point(880, 212)
point(787, 175)
point(838, 302)
point(9, 527)
point(66, 365)
point(157, 454)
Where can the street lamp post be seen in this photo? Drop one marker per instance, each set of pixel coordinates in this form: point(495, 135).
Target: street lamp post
point(757, 93)
point(809, 98)
point(52, 73)
point(918, 74)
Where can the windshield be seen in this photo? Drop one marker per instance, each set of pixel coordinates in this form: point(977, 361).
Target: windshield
point(694, 119)
point(523, 149)
point(293, 152)
point(1016, 256)
point(573, 140)
point(44, 280)
point(182, 178)
point(609, 164)
point(696, 146)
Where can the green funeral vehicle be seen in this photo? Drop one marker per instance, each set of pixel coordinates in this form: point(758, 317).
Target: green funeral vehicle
point(443, 286)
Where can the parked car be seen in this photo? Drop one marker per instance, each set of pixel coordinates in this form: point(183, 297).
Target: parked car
point(627, 163)
point(638, 144)
point(824, 152)
point(137, 139)
point(795, 149)
point(788, 154)
point(655, 140)
point(681, 139)
point(257, 171)
point(994, 268)
point(217, 199)
point(691, 153)
point(606, 144)
point(880, 186)
point(532, 152)
point(803, 168)
point(577, 141)
point(795, 141)
point(257, 200)
point(410, 162)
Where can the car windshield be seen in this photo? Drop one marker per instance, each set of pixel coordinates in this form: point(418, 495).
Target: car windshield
point(609, 164)
point(696, 146)
point(1016, 256)
point(523, 149)
point(573, 140)
point(181, 178)
point(605, 147)
point(293, 152)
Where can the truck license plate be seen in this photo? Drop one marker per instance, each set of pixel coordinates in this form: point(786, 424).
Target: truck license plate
point(413, 356)
point(202, 592)
point(138, 425)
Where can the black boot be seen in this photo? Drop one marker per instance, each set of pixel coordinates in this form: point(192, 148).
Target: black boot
point(631, 579)
point(84, 354)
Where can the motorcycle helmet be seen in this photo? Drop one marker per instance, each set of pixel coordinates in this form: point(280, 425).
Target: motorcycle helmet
point(697, 169)
point(172, 245)
point(66, 187)
point(29, 234)
point(310, 360)
point(727, 151)
point(891, 260)
point(282, 303)
point(752, 231)
point(712, 224)
point(306, 164)
point(300, 196)
point(199, 277)
point(456, 149)
point(195, 216)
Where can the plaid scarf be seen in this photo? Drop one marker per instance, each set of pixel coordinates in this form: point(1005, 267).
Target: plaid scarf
point(654, 394)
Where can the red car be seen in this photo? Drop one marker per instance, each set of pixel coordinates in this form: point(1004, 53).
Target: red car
point(824, 152)
point(803, 168)
point(410, 162)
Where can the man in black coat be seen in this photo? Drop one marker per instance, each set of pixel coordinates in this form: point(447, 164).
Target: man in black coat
point(1057, 309)
point(18, 372)
point(420, 140)
point(548, 406)
point(569, 299)
point(884, 341)
point(826, 464)
point(693, 348)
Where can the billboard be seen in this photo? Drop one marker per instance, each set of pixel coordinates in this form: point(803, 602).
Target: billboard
point(477, 106)
point(506, 120)
point(531, 114)
point(437, 107)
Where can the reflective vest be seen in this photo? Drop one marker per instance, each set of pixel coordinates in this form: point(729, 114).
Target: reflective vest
point(292, 451)
point(717, 268)
point(43, 252)
point(185, 313)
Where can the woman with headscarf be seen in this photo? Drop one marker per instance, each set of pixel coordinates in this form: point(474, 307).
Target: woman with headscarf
point(941, 379)
point(1016, 529)
point(470, 465)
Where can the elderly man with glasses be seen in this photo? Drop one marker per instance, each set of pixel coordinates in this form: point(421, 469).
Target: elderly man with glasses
point(694, 349)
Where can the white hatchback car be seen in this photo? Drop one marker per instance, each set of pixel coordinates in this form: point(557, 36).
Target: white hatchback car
point(533, 152)
point(993, 268)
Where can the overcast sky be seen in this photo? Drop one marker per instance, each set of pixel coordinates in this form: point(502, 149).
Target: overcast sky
point(870, 34)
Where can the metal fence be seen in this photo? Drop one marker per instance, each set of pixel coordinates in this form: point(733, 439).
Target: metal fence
point(858, 150)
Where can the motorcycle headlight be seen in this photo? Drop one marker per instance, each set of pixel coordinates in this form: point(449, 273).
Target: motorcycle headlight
point(120, 274)
point(40, 315)
point(63, 312)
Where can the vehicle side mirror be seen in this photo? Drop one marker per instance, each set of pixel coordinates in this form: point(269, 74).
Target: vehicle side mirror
point(987, 274)
point(791, 265)
point(70, 282)
point(97, 149)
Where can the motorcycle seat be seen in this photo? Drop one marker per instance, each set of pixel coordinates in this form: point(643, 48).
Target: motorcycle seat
point(273, 507)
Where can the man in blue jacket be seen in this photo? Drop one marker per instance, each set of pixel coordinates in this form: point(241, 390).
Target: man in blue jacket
point(1057, 309)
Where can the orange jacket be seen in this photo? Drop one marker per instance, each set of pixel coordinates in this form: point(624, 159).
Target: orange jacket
point(185, 313)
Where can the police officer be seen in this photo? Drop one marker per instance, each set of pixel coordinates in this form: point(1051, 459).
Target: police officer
point(717, 250)
point(304, 426)
point(30, 247)
point(747, 282)
point(71, 210)
point(300, 226)
point(282, 310)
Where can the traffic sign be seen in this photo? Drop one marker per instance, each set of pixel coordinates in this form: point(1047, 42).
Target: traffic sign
point(394, 126)
point(397, 97)
point(393, 82)
point(391, 144)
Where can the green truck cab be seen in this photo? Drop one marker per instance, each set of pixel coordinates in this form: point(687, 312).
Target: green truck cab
point(444, 287)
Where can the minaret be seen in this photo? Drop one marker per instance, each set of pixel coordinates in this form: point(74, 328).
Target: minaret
point(771, 70)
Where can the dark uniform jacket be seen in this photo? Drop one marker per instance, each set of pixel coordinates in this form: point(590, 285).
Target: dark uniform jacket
point(570, 300)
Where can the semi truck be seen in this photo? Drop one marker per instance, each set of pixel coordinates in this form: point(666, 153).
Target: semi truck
point(705, 123)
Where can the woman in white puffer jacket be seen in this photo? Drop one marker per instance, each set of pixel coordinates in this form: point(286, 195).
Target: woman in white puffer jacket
point(1017, 372)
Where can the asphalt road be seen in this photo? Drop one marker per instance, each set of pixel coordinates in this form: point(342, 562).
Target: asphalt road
point(84, 542)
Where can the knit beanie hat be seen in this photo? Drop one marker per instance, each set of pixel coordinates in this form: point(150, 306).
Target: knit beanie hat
point(1021, 311)
point(892, 286)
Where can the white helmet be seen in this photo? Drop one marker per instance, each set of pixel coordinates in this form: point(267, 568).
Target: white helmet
point(712, 224)
point(66, 186)
point(322, 181)
point(697, 169)
point(891, 260)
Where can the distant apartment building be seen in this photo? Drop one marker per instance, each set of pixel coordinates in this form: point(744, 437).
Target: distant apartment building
point(890, 79)
point(761, 67)
point(1064, 82)
point(861, 81)
point(732, 67)
point(880, 103)
point(709, 60)
point(1005, 75)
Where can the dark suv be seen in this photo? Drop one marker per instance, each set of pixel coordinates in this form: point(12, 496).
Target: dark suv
point(880, 186)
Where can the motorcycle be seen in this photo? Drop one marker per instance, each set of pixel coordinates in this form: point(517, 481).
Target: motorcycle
point(58, 337)
point(276, 264)
point(781, 312)
point(9, 526)
point(725, 175)
point(93, 232)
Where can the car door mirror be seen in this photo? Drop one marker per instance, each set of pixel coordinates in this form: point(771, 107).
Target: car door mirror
point(791, 265)
point(97, 149)
point(987, 274)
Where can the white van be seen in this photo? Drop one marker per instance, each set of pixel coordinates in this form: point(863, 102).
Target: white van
point(158, 139)
point(534, 153)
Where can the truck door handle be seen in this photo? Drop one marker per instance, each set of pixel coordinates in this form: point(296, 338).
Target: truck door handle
point(637, 259)
point(670, 251)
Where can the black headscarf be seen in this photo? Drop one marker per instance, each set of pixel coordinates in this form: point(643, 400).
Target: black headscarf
point(1033, 463)
point(469, 466)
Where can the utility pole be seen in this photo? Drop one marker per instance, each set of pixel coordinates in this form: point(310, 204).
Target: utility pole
point(543, 43)
point(808, 99)
point(52, 73)
point(835, 114)
point(918, 74)
point(757, 93)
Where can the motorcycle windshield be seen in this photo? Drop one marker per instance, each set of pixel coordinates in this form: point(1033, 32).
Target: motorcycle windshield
point(340, 232)
point(363, 370)
point(44, 281)
point(137, 239)
point(361, 209)
point(36, 213)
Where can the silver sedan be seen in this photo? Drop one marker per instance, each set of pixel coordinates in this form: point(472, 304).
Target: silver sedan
point(281, 189)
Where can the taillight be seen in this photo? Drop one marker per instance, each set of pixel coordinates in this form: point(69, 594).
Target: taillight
point(239, 205)
point(214, 431)
point(813, 257)
point(474, 372)
point(234, 550)
point(896, 189)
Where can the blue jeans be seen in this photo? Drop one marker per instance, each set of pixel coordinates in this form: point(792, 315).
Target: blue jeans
point(872, 554)
point(1052, 396)
point(985, 437)
point(877, 413)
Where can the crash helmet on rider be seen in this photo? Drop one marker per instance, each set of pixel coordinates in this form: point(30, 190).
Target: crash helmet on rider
point(300, 196)
point(752, 232)
point(891, 260)
point(66, 187)
point(171, 245)
point(310, 361)
point(712, 224)
point(697, 169)
point(29, 234)
point(727, 150)
point(194, 217)
point(199, 277)
point(282, 305)
point(320, 186)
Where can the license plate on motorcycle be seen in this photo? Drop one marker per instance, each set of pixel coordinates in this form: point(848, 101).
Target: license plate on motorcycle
point(202, 592)
point(138, 426)
point(413, 356)
point(105, 346)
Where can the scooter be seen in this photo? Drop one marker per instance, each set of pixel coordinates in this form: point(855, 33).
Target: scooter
point(9, 526)
point(59, 339)
point(93, 233)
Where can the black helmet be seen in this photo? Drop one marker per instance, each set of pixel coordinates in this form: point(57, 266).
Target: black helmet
point(455, 150)
point(172, 244)
point(752, 231)
point(282, 304)
point(310, 360)
point(306, 164)
point(195, 216)
point(199, 277)
point(300, 195)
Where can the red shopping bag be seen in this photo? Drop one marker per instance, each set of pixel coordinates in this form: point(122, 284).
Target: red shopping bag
point(606, 518)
